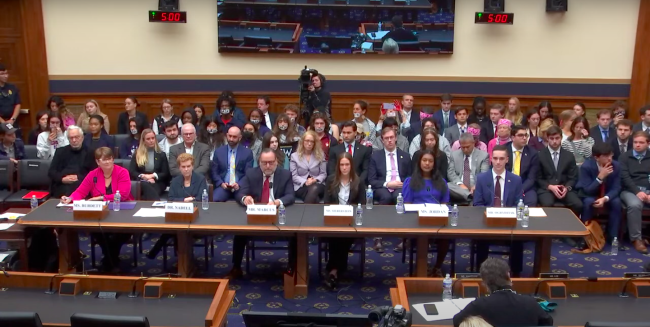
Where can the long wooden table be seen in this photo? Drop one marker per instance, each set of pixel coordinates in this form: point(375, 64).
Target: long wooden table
point(304, 221)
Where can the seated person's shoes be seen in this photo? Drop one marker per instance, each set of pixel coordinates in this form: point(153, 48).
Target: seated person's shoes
point(331, 282)
point(235, 273)
point(639, 245)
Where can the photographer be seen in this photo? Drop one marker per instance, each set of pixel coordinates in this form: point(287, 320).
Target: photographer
point(318, 99)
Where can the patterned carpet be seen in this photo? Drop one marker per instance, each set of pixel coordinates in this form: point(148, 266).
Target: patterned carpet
point(262, 289)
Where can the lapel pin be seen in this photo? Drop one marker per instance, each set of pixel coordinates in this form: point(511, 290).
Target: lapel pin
point(508, 181)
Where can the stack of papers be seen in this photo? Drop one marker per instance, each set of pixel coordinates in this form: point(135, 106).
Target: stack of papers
point(11, 215)
point(5, 226)
point(150, 212)
point(536, 212)
point(447, 309)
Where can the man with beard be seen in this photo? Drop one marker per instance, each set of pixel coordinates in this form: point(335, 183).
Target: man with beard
point(171, 137)
point(70, 164)
point(229, 165)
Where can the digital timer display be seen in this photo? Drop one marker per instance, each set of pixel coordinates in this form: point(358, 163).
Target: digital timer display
point(167, 16)
point(494, 18)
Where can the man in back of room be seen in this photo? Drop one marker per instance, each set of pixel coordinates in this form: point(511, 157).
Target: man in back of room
point(399, 33)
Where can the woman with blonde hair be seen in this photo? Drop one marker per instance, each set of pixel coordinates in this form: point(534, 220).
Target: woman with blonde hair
point(92, 108)
point(566, 119)
point(149, 166)
point(543, 127)
point(309, 168)
point(513, 113)
point(474, 321)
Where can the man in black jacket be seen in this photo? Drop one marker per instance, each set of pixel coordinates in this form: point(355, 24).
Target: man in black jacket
point(623, 141)
point(504, 307)
point(319, 98)
point(399, 33)
point(635, 168)
point(70, 165)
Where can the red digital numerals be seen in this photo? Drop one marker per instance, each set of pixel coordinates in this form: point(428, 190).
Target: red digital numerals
point(497, 18)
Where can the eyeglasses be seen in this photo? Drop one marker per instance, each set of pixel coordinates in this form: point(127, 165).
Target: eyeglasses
point(267, 163)
point(105, 160)
point(309, 141)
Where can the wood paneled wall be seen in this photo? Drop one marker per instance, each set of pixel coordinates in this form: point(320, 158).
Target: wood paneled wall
point(640, 86)
point(342, 103)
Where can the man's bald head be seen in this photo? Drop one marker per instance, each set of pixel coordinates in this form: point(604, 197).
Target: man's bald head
point(233, 136)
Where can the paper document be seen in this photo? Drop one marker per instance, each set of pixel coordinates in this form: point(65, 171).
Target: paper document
point(159, 204)
point(3, 256)
point(150, 212)
point(11, 215)
point(5, 226)
point(413, 207)
point(377, 35)
point(537, 212)
point(446, 309)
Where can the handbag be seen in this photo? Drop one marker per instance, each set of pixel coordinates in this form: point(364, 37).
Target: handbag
point(595, 240)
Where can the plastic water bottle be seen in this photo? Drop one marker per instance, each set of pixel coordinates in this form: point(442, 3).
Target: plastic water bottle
point(116, 201)
point(615, 246)
point(282, 215)
point(446, 288)
point(204, 200)
point(359, 218)
point(369, 198)
point(453, 217)
point(33, 203)
point(400, 204)
point(520, 209)
point(379, 27)
point(526, 217)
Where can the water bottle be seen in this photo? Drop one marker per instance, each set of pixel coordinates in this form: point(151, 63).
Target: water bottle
point(379, 27)
point(359, 218)
point(520, 209)
point(446, 288)
point(400, 204)
point(204, 200)
point(615, 246)
point(453, 217)
point(282, 215)
point(525, 218)
point(369, 198)
point(33, 203)
point(116, 201)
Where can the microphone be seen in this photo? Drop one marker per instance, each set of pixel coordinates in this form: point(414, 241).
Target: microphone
point(4, 271)
point(95, 186)
point(539, 283)
point(51, 290)
point(134, 294)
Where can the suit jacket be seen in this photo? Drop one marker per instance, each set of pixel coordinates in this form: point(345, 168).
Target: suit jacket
point(528, 167)
point(452, 134)
point(253, 181)
point(104, 140)
point(504, 308)
point(378, 170)
point(588, 186)
point(566, 173)
point(360, 159)
point(123, 121)
point(93, 184)
point(301, 169)
point(178, 191)
point(484, 192)
point(439, 118)
point(160, 167)
point(220, 162)
point(487, 130)
point(201, 154)
point(595, 134)
point(478, 164)
point(400, 35)
point(357, 192)
point(637, 127)
point(613, 141)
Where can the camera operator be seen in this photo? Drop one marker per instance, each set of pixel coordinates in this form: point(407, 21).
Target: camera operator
point(319, 98)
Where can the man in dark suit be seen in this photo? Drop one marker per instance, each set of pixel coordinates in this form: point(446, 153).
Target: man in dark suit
point(600, 187)
point(388, 169)
point(360, 153)
point(489, 126)
point(623, 140)
point(266, 184)
point(445, 117)
point(263, 104)
point(558, 174)
point(603, 132)
point(523, 162)
point(503, 307)
point(411, 125)
point(399, 33)
point(229, 165)
point(499, 188)
point(644, 124)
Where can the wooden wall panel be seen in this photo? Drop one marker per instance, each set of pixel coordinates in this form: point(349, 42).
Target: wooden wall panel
point(640, 84)
point(113, 104)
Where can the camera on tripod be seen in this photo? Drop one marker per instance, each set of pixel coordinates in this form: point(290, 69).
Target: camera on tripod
point(387, 316)
point(305, 81)
point(306, 75)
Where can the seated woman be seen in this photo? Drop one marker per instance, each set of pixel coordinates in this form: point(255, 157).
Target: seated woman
point(475, 130)
point(127, 149)
point(308, 169)
point(92, 108)
point(250, 140)
point(96, 137)
point(56, 105)
point(271, 141)
point(256, 117)
point(429, 142)
point(50, 140)
point(101, 184)
point(443, 143)
point(166, 114)
point(359, 111)
point(210, 134)
point(285, 130)
point(532, 127)
point(502, 137)
point(41, 126)
point(186, 187)
point(426, 185)
point(579, 143)
point(149, 166)
point(199, 110)
point(344, 188)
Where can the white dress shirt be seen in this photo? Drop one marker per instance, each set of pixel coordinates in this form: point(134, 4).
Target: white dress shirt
point(267, 120)
point(347, 147)
point(502, 182)
point(344, 193)
point(190, 150)
point(165, 145)
point(460, 128)
point(389, 170)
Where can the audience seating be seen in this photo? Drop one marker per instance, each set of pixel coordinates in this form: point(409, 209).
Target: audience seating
point(32, 176)
point(20, 319)
point(160, 137)
point(6, 181)
point(118, 140)
point(31, 152)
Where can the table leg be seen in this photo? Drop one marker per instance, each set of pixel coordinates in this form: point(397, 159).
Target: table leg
point(24, 259)
point(68, 250)
point(185, 254)
point(302, 265)
point(422, 262)
point(542, 256)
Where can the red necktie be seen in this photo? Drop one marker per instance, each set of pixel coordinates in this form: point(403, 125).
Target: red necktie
point(350, 149)
point(497, 193)
point(265, 191)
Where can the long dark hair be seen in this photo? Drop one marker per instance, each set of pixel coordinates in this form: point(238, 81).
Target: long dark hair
point(423, 137)
point(578, 120)
point(140, 125)
point(290, 133)
point(212, 140)
point(40, 115)
point(354, 179)
point(203, 115)
point(266, 144)
point(417, 179)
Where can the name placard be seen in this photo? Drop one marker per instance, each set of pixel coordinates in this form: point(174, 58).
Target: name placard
point(88, 206)
point(434, 210)
point(338, 211)
point(179, 207)
point(261, 210)
point(501, 212)
point(554, 275)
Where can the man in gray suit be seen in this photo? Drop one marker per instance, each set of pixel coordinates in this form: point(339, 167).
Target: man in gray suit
point(200, 152)
point(453, 132)
point(464, 165)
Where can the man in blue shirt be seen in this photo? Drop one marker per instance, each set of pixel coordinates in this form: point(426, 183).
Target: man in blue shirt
point(229, 165)
point(603, 132)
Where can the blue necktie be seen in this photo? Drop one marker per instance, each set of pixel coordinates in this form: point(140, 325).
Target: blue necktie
point(605, 136)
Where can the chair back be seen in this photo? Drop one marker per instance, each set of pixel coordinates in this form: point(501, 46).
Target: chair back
point(93, 320)
point(118, 140)
point(31, 152)
point(20, 319)
point(33, 174)
point(6, 175)
point(136, 190)
point(160, 137)
point(124, 163)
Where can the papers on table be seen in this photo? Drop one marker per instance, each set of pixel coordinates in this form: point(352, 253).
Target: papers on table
point(150, 212)
point(159, 204)
point(64, 205)
point(536, 212)
point(410, 207)
point(11, 215)
point(446, 309)
point(377, 35)
point(3, 256)
point(5, 226)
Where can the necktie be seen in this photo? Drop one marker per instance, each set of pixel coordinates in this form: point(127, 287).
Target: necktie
point(393, 170)
point(265, 191)
point(231, 170)
point(445, 122)
point(267, 120)
point(497, 193)
point(350, 149)
point(466, 173)
point(623, 148)
point(605, 135)
point(517, 165)
point(602, 189)
point(555, 159)
point(462, 130)
point(495, 130)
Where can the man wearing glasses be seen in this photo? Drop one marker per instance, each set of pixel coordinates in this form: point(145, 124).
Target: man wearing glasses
point(9, 100)
point(523, 162)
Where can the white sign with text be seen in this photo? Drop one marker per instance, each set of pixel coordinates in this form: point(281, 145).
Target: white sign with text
point(501, 212)
point(339, 211)
point(434, 210)
point(261, 209)
point(179, 207)
point(88, 205)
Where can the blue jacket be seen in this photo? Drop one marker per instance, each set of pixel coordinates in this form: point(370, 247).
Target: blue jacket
point(589, 187)
point(484, 192)
point(437, 116)
point(529, 166)
point(19, 150)
point(220, 162)
point(178, 192)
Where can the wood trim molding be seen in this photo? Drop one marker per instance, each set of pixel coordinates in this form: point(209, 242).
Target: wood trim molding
point(640, 84)
point(36, 56)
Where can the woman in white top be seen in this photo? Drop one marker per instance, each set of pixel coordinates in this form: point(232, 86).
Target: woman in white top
point(51, 139)
point(309, 168)
point(166, 114)
point(566, 121)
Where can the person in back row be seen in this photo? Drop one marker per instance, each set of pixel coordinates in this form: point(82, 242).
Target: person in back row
point(52, 139)
point(635, 168)
point(171, 137)
point(308, 169)
point(70, 164)
point(96, 136)
point(166, 114)
point(401, 142)
point(229, 165)
point(131, 105)
point(454, 131)
point(128, 147)
point(622, 142)
point(523, 162)
point(200, 151)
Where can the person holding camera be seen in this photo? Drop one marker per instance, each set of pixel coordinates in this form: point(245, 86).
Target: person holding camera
point(319, 99)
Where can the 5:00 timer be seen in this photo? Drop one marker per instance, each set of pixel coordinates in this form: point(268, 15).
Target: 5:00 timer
point(167, 16)
point(493, 18)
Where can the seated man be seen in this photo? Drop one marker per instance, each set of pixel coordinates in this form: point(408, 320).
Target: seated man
point(453, 132)
point(388, 168)
point(635, 168)
point(171, 137)
point(229, 165)
point(265, 184)
point(402, 142)
point(504, 307)
point(399, 33)
point(70, 164)
point(499, 188)
point(600, 186)
point(558, 174)
point(523, 162)
point(464, 165)
point(11, 148)
point(200, 152)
